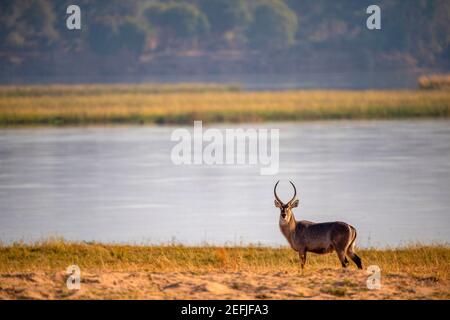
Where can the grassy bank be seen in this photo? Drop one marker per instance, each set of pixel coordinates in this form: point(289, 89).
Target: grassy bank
point(53, 256)
point(67, 105)
point(110, 271)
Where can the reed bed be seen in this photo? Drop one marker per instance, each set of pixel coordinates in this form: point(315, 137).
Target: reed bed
point(170, 107)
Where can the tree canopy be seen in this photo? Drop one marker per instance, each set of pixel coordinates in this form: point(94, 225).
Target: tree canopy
point(414, 32)
point(274, 25)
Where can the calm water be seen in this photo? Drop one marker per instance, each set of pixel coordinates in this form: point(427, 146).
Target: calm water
point(360, 79)
point(389, 179)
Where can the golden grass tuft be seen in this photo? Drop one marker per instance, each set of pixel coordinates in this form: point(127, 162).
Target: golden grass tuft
point(435, 82)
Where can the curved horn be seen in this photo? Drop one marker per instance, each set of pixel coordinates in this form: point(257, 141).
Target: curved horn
point(295, 192)
point(275, 192)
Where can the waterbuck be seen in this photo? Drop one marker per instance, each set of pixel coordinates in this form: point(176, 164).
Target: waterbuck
point(305, 236)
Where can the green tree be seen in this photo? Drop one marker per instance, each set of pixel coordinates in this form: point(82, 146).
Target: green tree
point(177, 21)
point(225, 15)
point(274, 26)
point(28, 24)
point(132, 36)
point(102, 38)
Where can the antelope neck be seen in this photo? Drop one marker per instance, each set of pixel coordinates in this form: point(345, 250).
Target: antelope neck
point(288, 229)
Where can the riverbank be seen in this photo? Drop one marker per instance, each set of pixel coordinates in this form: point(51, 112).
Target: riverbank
point(176, 272)
point(138, 104)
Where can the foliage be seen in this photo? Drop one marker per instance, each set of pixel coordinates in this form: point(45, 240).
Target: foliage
point(225, 15)
point(177, 20)
point(274, 25)
point(34, 39)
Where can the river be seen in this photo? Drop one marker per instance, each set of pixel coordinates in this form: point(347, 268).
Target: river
point(389, 179)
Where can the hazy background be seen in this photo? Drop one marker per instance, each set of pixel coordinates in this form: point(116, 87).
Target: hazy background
point(309, 43)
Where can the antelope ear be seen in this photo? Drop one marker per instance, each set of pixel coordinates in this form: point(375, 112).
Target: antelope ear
point(277, 204)
point(294, 204)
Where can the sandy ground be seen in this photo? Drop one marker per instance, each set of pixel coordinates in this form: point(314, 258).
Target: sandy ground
point(321, 284)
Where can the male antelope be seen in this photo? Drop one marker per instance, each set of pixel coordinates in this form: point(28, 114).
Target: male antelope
point(304, 236)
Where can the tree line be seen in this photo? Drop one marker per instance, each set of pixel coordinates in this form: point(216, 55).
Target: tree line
point(130, 36)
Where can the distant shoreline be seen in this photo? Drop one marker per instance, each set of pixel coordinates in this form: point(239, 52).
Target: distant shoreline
point(61, 105)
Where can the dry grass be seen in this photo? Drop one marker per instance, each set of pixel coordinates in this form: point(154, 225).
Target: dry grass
point(90, 107)
point(112, 271)
point(436, 82)
point(433, 261)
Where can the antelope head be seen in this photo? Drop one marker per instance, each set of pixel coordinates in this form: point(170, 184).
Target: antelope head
point(285, 209)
